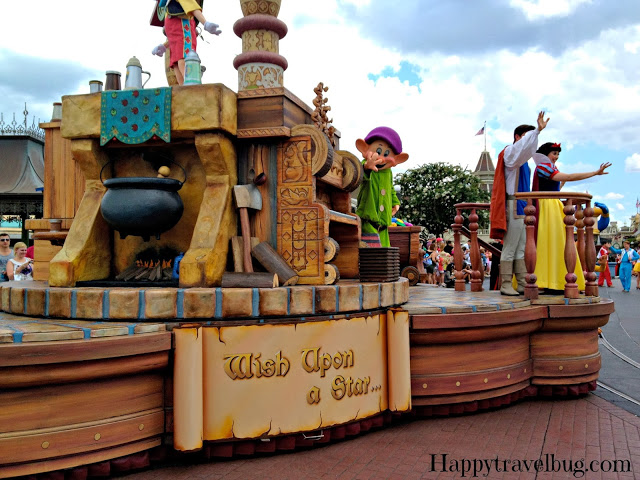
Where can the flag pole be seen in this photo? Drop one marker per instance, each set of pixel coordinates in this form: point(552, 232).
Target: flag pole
point(485, 135)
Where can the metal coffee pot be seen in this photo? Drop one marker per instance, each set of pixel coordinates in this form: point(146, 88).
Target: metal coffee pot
point(134, 75)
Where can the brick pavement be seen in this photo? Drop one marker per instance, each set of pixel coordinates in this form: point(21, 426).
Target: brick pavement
point(587, 428)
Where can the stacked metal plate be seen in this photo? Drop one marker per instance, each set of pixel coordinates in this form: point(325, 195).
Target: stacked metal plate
point(379, 264)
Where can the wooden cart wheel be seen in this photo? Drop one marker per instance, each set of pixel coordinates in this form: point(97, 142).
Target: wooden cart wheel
point(331, 249)
point(353, 172)
point(412, 274)
point(331, 274)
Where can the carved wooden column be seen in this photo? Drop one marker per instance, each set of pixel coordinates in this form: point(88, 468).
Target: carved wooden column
point(457, 251)
point(591, 286)
point(530, 256)
point(476, 264)
point(570, 255)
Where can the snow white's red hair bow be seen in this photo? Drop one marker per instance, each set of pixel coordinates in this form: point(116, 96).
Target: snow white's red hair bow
point(556, 145)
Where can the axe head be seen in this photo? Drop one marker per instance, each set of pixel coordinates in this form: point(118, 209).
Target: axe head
point(247, 196)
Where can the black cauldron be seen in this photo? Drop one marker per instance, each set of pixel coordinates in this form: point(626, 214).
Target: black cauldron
point(142, 206)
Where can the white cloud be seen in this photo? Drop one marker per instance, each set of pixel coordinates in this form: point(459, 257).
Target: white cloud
point(613, 196)
point(535, 9)
point(619, 206)
point(590, 91)
point(632, 164)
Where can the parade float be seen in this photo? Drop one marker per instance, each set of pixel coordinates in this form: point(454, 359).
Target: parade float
point(269, 337)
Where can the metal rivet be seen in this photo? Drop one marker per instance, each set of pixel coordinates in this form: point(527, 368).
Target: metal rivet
point(560, 367)
point(508, 375)
point(424, 385)
point(486, 380)
point(525, 370)
point(45, 444)
point(586, 365)
point(97, 436)
point(141, 426)
point(457, 384)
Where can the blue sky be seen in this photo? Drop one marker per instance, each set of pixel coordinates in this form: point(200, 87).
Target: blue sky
point(433, 70)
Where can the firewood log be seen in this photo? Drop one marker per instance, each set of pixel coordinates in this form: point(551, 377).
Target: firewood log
point(274, 263)
point(121, 276)
point(249, 280)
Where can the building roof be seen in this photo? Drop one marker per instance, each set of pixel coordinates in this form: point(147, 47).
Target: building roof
point(484, 163)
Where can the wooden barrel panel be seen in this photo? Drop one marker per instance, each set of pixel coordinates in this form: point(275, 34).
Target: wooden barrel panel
point(564, 344)
point(603, 307)
point(575, 324)
point(466, 358)
point(35, 375)
point(565, 381)
point(72, 439)
point(60, 405)
point(470, 381)
point(54, 464)
point(567, 367)
point(468, 397)
point(465, 335)
point(485, 319)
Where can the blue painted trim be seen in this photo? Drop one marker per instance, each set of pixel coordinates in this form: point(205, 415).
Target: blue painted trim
point(255, 302)
point(566, 301)
point(131, 329)
point(361, 296)
point(141, 304)
point(46, 302)
point(337, 299)
point(443, 309)
point(74, 303)
point(288, 301)
point(474, 308)
point(180, 303)
point(498, 307)
point(313, 300)
point(105, 304)
point(86, 332)
point(218, 310)
point(17, 336)
point(24, 300)
point(379, 294)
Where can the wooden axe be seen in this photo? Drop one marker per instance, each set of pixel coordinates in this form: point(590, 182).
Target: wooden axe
point(247, 196)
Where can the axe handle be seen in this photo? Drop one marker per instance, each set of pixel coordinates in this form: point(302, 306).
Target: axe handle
point(246, 239)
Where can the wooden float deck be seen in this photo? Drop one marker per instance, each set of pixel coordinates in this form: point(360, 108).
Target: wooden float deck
point(107, 382)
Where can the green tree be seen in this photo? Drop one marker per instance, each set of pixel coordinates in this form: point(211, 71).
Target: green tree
point(430, 192)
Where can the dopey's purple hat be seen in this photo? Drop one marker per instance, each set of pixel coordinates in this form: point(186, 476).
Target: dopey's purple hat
point(387, 134)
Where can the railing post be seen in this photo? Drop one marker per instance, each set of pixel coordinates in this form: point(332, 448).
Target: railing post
point(580, 230)
point(530, 256)
point(591, 286)
point(476, 264)
point(570, 255)
point(457, 251)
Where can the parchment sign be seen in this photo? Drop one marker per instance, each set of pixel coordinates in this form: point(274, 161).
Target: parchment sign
point(278, 379)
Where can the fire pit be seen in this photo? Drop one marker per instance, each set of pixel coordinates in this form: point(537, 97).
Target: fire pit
point(152, 267)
